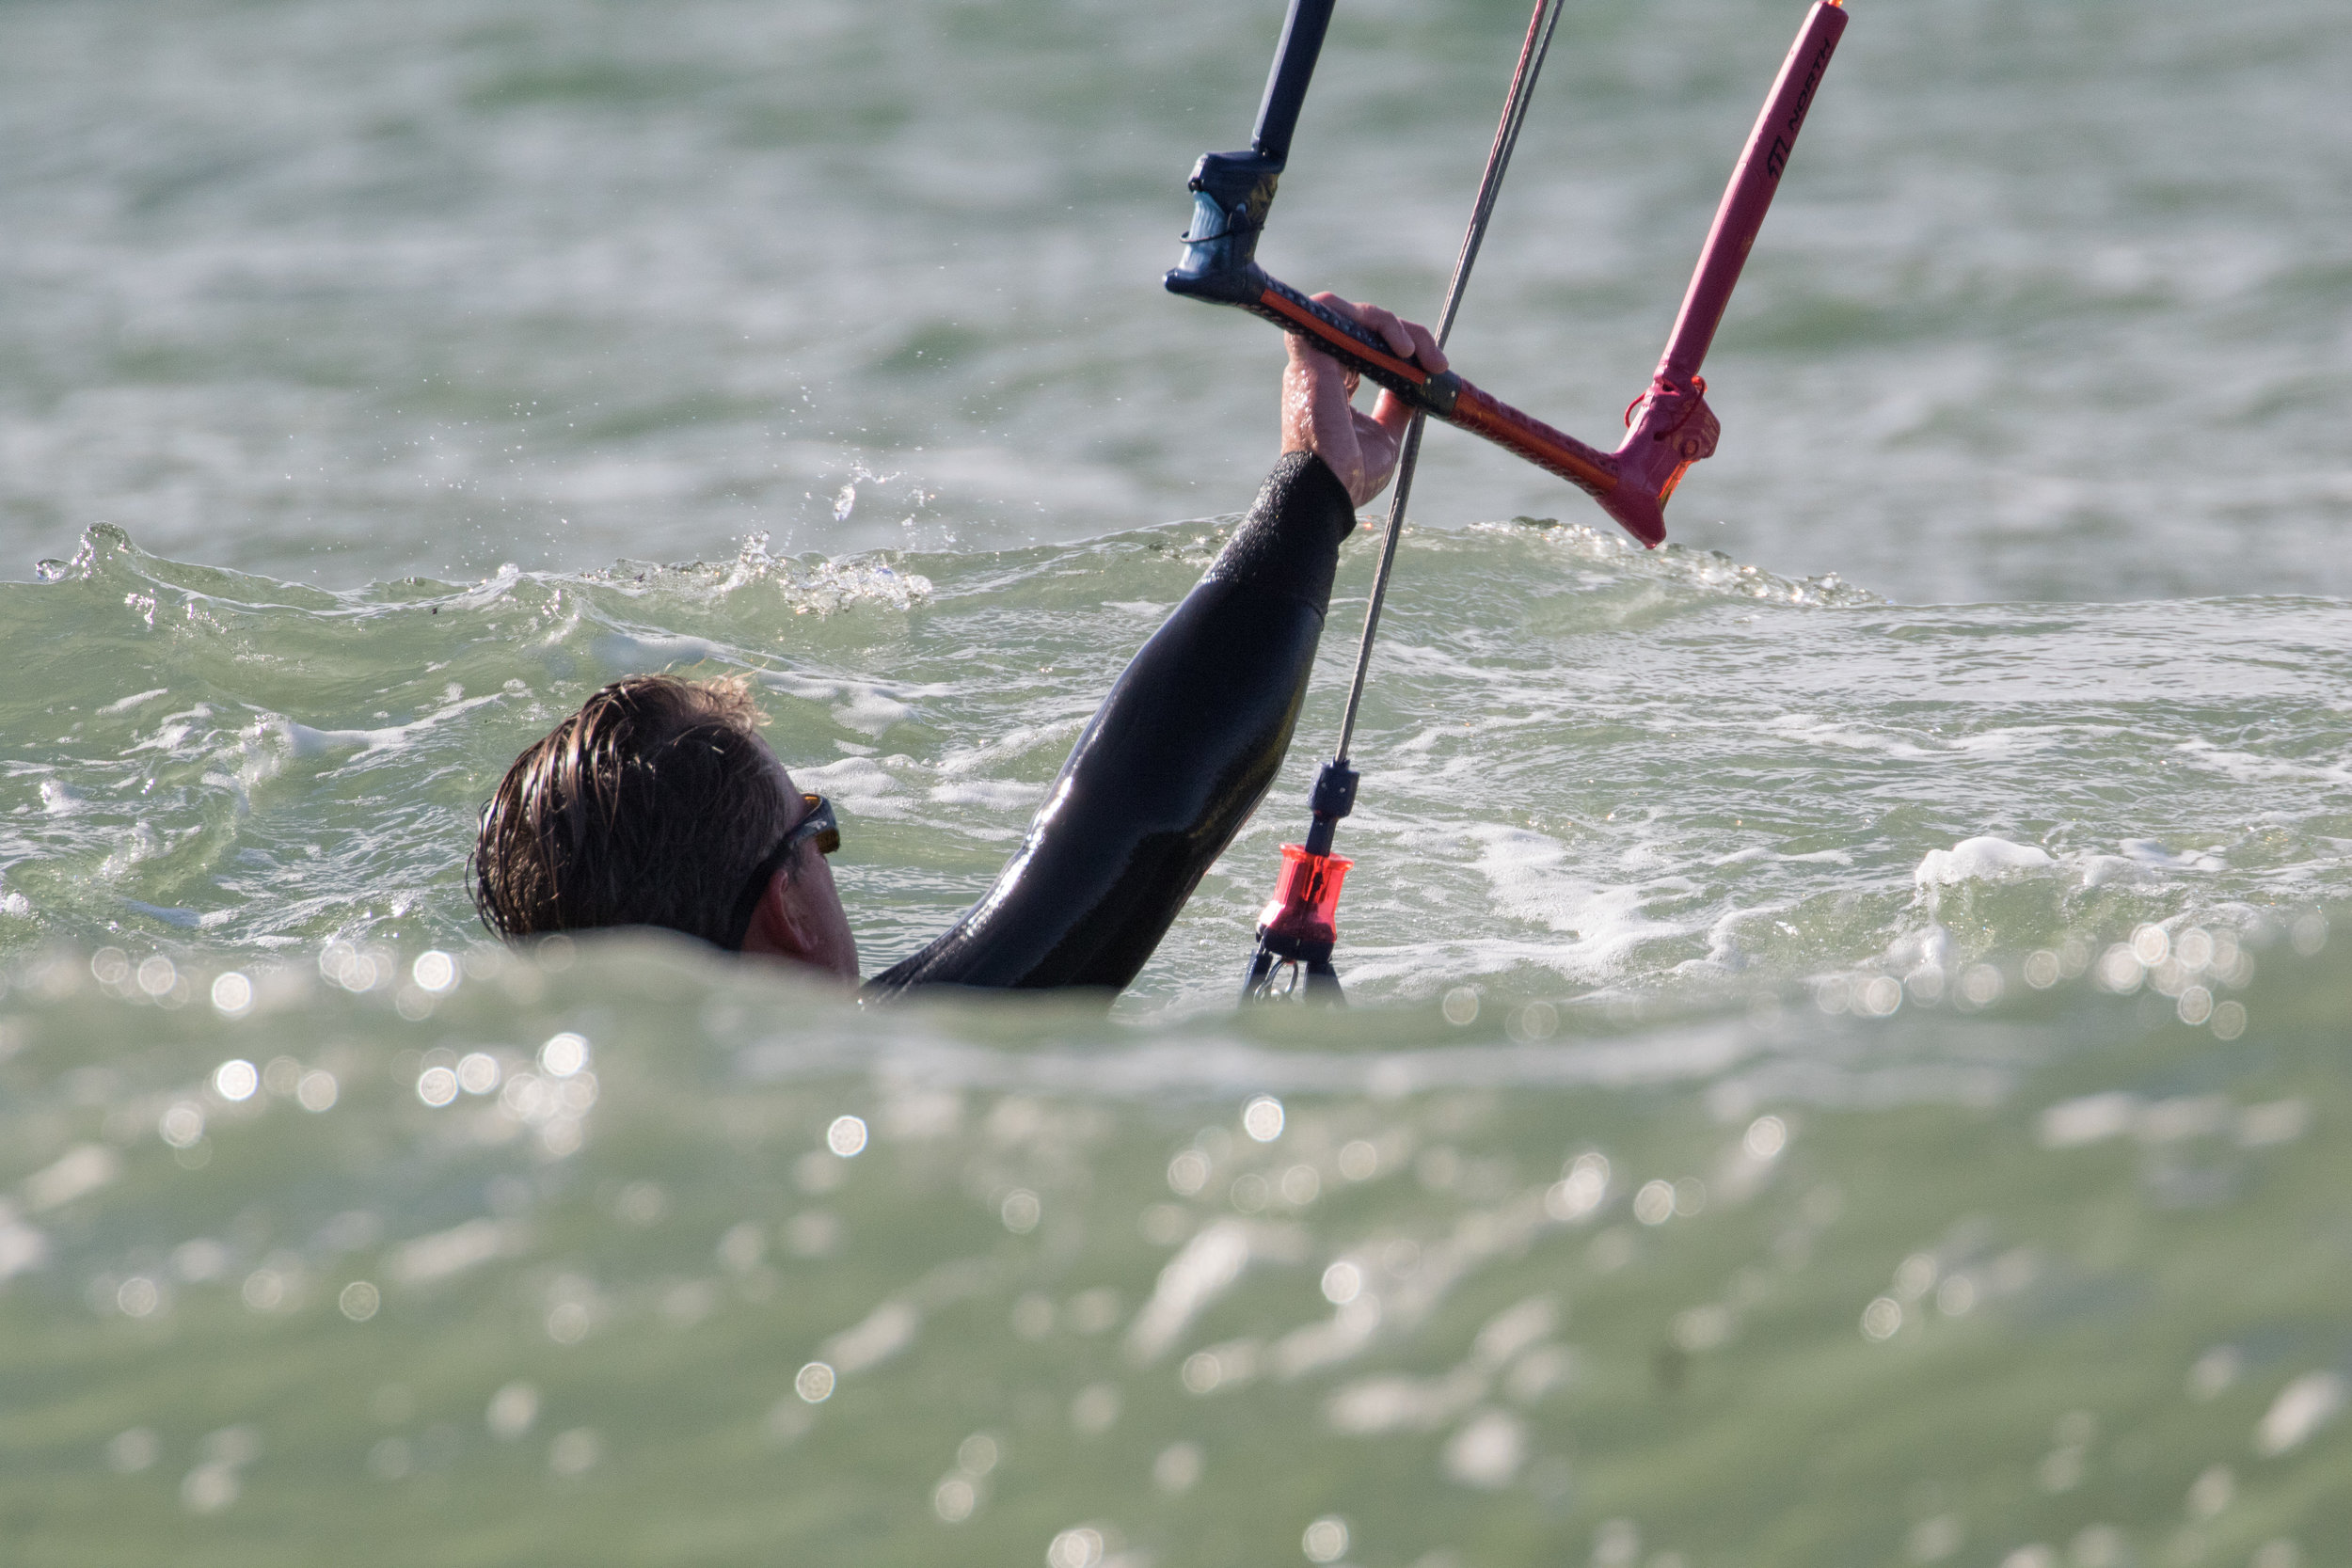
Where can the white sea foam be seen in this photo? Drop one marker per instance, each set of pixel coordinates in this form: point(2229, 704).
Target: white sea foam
point(865, 784)
point(1983, 858)
point(1022, 740)
point(1004, 795)
point(308, 741)
point(2146, 851)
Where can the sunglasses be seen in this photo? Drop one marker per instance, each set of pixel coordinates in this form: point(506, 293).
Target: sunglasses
point(816, 826)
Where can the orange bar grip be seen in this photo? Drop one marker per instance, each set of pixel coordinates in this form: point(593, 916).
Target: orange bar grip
point(1554, 450)
point(1348, 344)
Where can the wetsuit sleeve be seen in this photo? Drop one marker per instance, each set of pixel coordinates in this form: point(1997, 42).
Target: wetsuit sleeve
point(1169, 768)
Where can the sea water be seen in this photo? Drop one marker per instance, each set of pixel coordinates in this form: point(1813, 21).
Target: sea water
point(1845, 1054)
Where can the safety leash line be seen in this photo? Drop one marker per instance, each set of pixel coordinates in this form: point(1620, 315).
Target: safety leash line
point(1532, 52)
point(1298, 927)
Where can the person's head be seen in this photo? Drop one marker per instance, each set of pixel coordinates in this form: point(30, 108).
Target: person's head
point(655, 805)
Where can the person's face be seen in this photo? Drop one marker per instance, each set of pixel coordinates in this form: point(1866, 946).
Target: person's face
point(800, 916)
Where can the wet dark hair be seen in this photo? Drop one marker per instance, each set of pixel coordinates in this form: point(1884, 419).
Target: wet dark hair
point(650, 806)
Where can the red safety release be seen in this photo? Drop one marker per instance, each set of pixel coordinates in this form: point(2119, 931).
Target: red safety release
point(1306, 903)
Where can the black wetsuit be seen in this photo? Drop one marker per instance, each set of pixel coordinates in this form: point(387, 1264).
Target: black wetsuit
point(1172, 766)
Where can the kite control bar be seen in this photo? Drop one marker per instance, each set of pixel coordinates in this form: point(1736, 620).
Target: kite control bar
point(1669, 426)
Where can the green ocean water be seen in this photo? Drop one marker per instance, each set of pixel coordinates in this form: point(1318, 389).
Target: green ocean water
point(2062, 1276)
point(1845, 1062)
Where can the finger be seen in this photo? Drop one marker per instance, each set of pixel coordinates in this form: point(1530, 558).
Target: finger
point(1406, 339)
point(1339, 306)
point(1392, 414)
point(1425, 347)
point(1305, 348)
point(1391, 330)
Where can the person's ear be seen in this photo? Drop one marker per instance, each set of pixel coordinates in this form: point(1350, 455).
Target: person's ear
point(776, 928)
point(800, 918)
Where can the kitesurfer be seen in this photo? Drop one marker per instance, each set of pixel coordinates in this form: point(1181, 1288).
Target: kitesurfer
point(659, 804)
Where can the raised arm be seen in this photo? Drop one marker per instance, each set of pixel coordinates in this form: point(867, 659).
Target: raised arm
point(1168, 768)
point(1194, 731)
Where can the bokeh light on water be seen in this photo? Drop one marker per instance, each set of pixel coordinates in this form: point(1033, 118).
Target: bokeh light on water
point(619, 1258)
